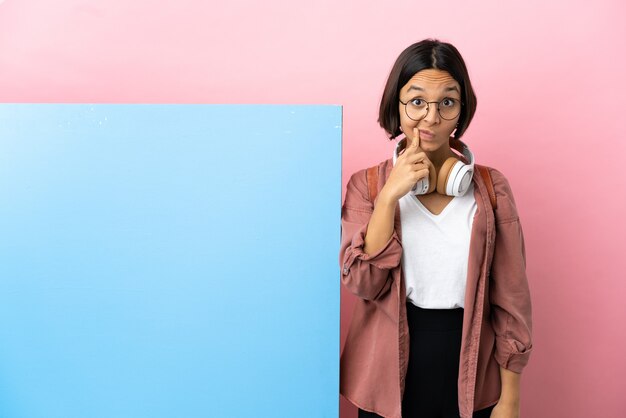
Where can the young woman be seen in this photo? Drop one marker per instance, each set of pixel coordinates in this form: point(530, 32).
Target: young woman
point(442, 324)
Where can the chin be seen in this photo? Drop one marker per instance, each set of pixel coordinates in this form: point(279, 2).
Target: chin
point(430, 144)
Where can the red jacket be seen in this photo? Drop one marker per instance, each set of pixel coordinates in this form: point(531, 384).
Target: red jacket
point(497, 323)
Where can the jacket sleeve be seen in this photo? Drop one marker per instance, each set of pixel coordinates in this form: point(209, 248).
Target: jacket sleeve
point(511, 310)
point(366, 276)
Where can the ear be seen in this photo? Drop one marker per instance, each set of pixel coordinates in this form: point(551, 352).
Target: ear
point(453, 134)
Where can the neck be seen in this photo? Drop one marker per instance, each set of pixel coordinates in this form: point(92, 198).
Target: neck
point(439, 156)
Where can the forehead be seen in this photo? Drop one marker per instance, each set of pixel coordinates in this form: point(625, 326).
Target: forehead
point(431, 80)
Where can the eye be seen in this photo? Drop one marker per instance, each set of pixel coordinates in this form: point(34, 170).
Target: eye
point(447, 102)
point(417, 102)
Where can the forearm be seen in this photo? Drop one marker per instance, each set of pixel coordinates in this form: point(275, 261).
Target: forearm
point(380, 227)
point(510, 386)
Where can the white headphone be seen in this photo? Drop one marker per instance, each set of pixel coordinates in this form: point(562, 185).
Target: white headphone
point(454, 177)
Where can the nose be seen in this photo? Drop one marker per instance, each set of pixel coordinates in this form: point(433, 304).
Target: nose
point(432, 114)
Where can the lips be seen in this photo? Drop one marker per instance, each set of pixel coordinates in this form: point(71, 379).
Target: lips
point(426, 134)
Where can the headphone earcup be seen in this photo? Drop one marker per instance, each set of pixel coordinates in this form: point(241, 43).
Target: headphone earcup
point(455, 177)
point(446, 174)
point(463, 179)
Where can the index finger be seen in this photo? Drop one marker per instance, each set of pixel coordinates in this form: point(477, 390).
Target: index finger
point(416, 138)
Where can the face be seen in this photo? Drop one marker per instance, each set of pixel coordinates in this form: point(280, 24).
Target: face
point(430, 85)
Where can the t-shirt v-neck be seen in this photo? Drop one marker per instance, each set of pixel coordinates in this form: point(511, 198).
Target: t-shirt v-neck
point(431, 215)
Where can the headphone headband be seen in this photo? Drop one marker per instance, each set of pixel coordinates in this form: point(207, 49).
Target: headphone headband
point(460, 146)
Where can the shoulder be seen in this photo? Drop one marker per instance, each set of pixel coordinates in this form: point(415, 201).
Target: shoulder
point(507, 209)
point(357, 191)
point(500, 183)
point(357, 195)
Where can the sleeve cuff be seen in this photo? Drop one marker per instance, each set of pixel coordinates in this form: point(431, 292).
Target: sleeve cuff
point(386, 257)
point(514, 356)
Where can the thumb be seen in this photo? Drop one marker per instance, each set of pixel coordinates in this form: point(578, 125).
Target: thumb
point(416, 138)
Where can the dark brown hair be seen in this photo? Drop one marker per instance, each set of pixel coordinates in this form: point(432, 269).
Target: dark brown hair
point(426, 54)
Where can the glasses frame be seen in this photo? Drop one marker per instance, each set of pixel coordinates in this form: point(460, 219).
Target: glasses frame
point(428, 107)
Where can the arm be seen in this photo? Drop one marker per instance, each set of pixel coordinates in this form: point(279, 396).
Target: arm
point(510, 393)
point(509, 293)
point(380, 227)
point(363, 225)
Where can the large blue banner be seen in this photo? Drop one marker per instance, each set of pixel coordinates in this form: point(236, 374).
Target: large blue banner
point(169, 260)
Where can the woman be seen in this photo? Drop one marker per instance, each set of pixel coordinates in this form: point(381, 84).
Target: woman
point(442, 325)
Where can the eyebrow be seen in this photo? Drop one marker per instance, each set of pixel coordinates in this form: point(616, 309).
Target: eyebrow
point(454, 88)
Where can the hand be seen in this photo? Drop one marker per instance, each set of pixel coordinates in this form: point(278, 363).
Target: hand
point(411, 166)
point(505, 410)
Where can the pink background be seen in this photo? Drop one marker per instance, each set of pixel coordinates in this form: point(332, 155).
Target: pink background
point(549, 77)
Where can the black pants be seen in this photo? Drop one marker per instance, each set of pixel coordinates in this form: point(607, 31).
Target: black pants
point(433, 369)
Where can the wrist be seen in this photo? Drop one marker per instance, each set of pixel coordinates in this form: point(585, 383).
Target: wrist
point(386, 199)
point(512, 400)
point(510, 391)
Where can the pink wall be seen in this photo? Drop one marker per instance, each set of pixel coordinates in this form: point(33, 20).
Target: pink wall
point(551, 94)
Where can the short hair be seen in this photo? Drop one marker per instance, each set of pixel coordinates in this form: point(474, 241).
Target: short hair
point(426, 54)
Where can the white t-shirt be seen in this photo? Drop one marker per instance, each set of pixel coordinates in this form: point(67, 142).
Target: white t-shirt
point(436, 250)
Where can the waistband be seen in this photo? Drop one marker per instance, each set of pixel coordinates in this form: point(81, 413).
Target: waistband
point(434, 319)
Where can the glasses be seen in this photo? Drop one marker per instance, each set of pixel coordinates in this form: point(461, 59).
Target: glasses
point(417, 109)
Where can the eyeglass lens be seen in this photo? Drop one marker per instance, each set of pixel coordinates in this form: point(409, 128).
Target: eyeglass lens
point(417, 109)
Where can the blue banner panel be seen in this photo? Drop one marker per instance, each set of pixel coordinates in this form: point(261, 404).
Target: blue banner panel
point(169, 260)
